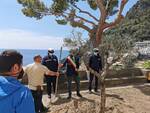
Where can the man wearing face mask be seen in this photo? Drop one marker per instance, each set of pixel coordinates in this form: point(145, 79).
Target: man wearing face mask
point(51, 62)
point(72, 62)
point(14, 97)
point(95, 64)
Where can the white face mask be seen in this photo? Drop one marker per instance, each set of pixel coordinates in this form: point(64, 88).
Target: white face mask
point(50, 54)
point(95, 53)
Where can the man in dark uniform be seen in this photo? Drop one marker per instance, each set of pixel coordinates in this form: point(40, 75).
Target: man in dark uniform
point(51, 62)
point(72, 62)
point(95, 64)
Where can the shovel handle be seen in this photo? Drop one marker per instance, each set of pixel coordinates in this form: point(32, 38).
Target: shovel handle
point(56, 88)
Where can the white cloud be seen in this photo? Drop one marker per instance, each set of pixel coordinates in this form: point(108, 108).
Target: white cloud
point(21, 39)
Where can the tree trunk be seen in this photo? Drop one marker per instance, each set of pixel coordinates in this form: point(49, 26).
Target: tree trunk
point(103, 97)
point(99, 37)
point(103, 87)
point(93, 37)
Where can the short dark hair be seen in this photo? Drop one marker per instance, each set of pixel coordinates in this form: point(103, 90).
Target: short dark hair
point(8, 58)
point(37, 56)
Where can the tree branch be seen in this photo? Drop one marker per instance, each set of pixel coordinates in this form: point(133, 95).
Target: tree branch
point(101, 21)
point(85, 12)
point(107, 4)
point(88, 21)
point(41, 12)
point(78, 24)
point(119, 17)
point(102, 9)
point(103, 73)
point(95, 73)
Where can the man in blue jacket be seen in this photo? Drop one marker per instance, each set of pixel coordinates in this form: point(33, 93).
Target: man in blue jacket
point(95, 63)
point(14, 97)
point(51, 62)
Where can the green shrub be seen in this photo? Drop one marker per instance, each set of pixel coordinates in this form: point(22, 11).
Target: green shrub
point(146, 64)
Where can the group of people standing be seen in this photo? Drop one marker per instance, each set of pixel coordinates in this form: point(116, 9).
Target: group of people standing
point(16, 98)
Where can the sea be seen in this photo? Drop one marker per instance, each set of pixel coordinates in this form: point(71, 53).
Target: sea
point(28, 54)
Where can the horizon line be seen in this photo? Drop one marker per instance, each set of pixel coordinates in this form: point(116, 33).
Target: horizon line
point(29, 49)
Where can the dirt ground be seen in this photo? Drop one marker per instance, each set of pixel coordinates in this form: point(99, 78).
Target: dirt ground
point(134, 99)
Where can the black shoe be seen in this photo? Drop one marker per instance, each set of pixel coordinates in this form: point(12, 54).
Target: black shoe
point(37, 112)
point(96, 91)
point(45, 109)
point(79, 95)
point(90, 92)
point(69, 97)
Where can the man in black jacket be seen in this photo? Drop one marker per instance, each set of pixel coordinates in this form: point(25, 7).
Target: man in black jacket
point(51, 62)
point(95, 64)
point(72, 62)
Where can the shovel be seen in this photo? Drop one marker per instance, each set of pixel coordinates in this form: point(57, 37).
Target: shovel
point(55, 97)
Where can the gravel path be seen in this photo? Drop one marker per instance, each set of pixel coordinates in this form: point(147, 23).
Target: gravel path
point(130, 99)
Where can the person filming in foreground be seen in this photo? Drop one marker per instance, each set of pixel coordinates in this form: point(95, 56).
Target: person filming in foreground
point(14, 97)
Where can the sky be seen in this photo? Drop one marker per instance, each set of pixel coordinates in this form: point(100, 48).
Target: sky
point(20, 32)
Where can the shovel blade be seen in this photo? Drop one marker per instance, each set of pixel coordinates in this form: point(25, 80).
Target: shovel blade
point(54, 99)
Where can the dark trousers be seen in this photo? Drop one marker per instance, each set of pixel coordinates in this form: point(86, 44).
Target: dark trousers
point(90, 82)
point(69, 85)
point(51, 81)
point(37, 95)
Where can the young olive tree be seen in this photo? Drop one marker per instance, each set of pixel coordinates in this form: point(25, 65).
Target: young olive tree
point(74, 40)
